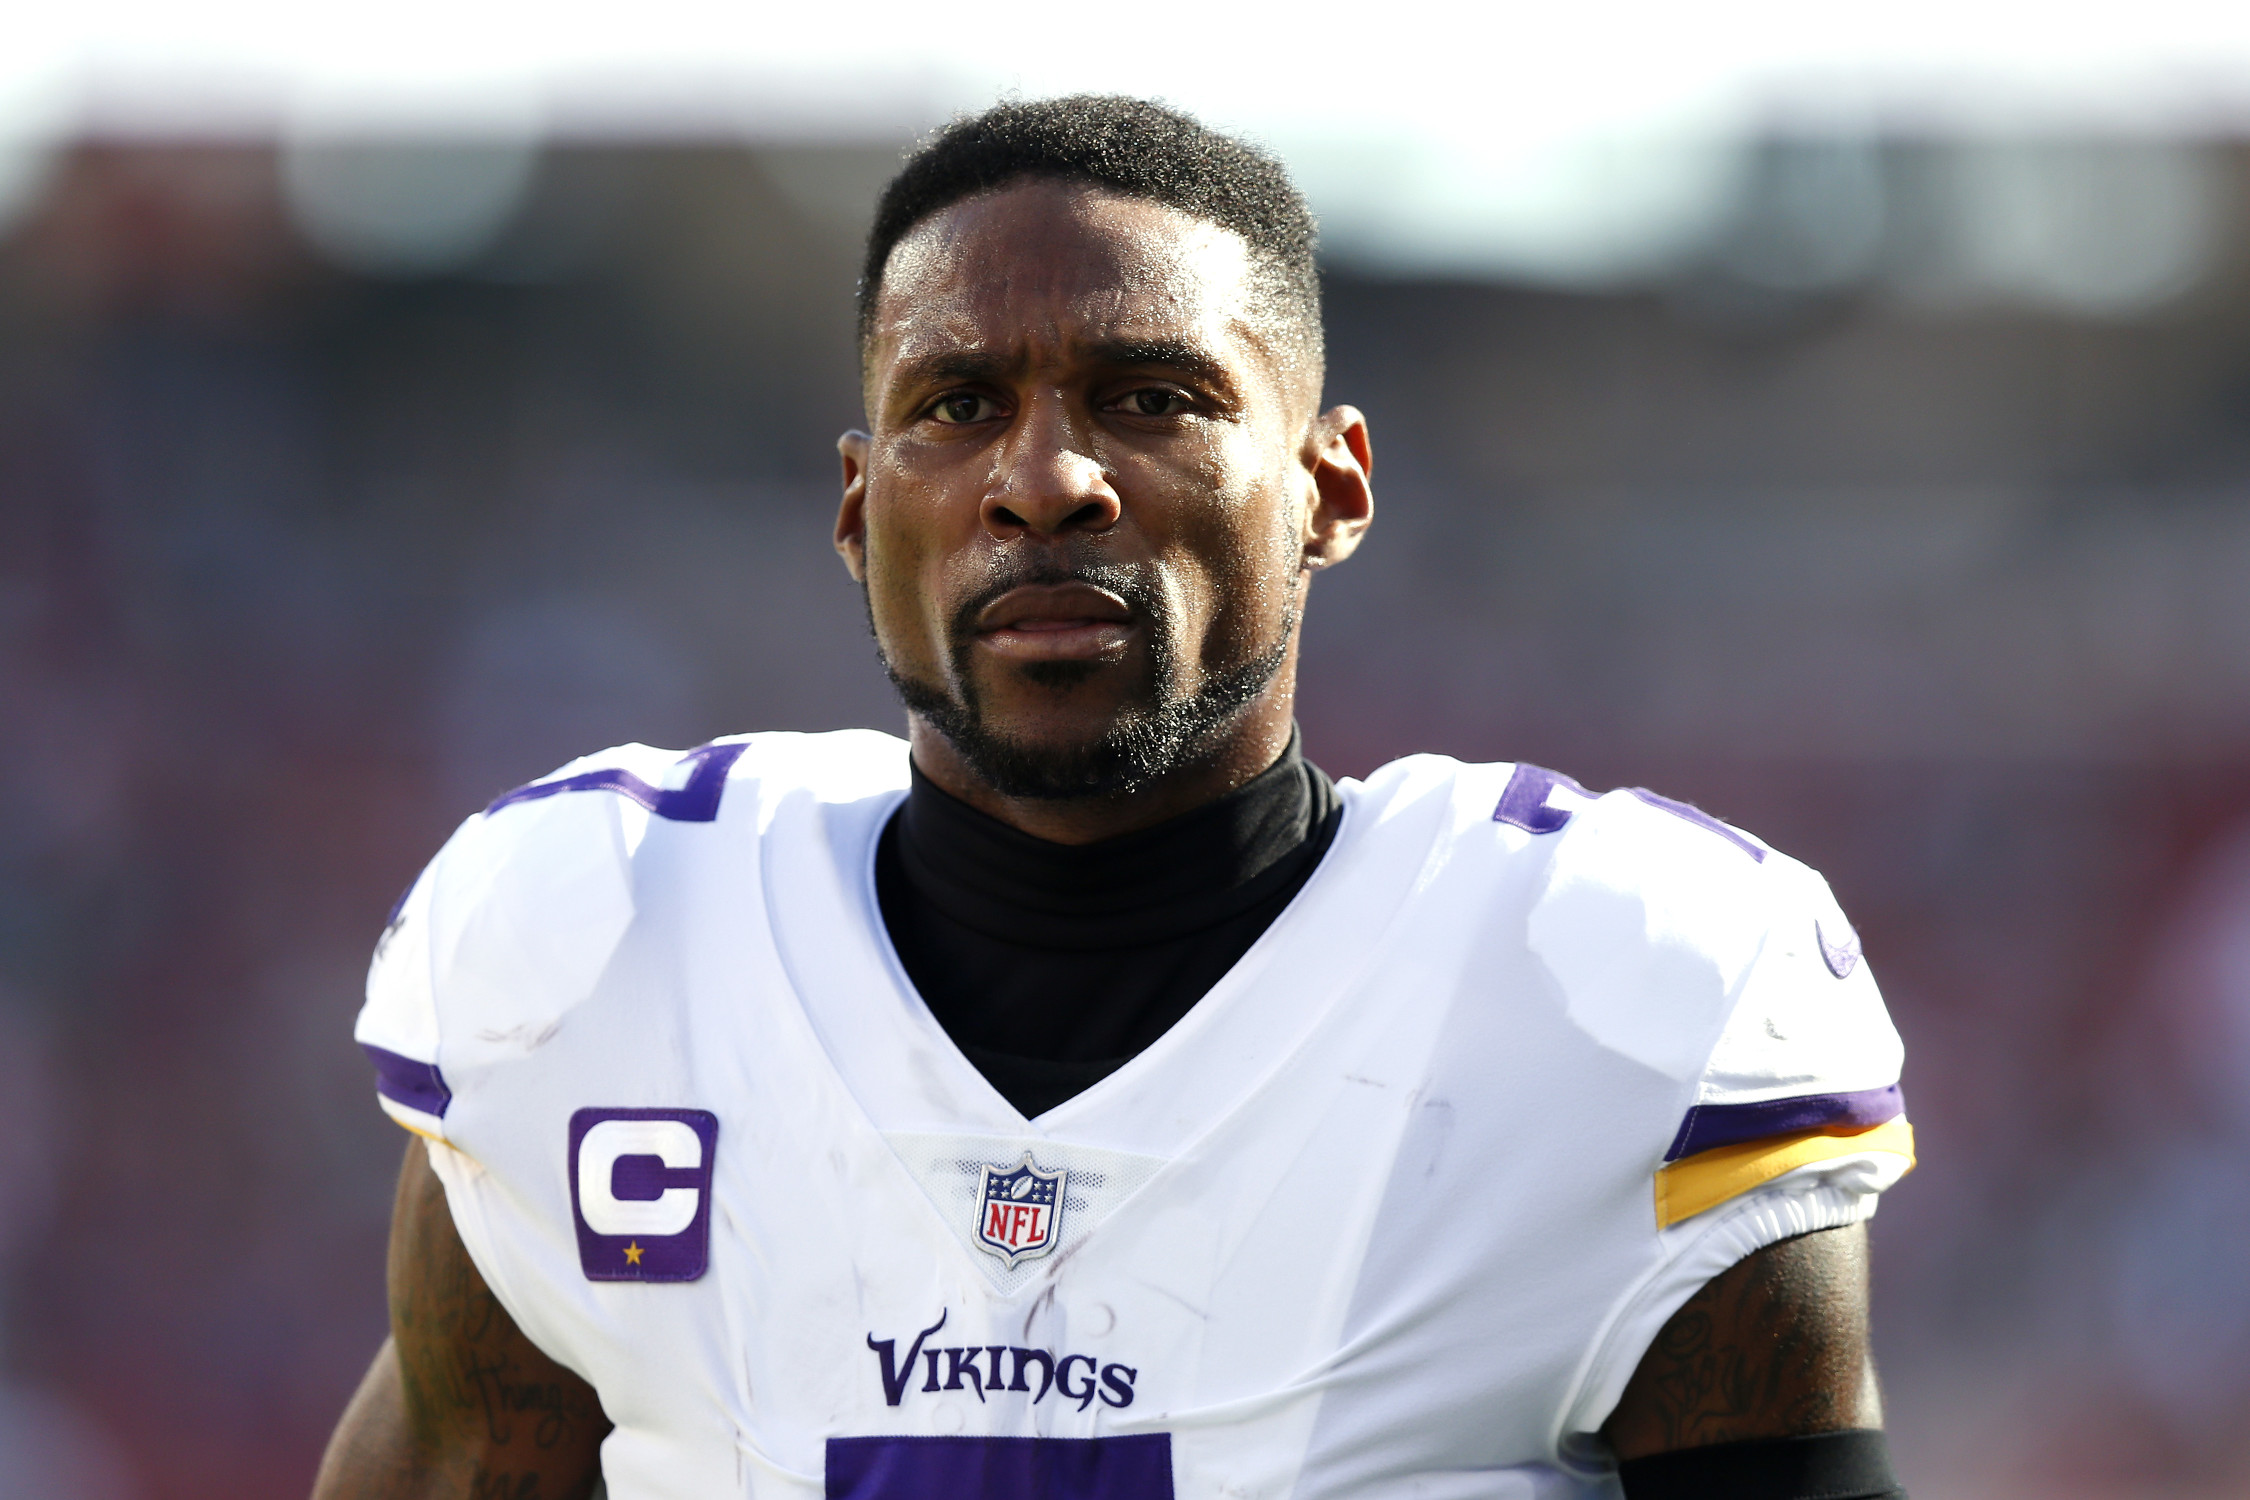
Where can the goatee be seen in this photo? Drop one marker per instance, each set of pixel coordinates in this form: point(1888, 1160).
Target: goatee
point(1169, 731)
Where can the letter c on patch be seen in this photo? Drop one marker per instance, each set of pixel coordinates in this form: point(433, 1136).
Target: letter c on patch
point(640, 1192)
point(673, 1142)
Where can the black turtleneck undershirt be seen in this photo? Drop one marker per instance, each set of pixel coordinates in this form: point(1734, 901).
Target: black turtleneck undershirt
point(1053, 965)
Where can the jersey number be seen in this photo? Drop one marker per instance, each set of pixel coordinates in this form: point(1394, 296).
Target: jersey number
point(1138, 1467)
point(1538, 800)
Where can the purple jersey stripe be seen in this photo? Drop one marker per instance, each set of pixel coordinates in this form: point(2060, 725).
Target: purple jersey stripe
point(1137, 1466)
point(696, 802)
point(417, 1085)
point(1700, 819)
point(1711, 1125)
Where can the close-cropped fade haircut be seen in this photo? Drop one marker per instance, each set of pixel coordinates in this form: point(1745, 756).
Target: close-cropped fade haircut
point(1128, 146)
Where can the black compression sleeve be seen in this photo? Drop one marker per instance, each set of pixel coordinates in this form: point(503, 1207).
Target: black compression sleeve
point(1853, 1465)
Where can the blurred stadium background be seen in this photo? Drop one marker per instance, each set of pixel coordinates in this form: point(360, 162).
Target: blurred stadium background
point(1847, 430)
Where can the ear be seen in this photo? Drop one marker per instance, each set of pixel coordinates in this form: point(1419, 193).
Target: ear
point(851, 516)
point(1340, 459)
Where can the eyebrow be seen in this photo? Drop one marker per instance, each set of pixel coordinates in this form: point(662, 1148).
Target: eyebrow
point(1176, 354)
point(949, 366)
point(945, 367)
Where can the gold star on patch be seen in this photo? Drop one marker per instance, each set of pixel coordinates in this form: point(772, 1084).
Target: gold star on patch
point(633, 1254)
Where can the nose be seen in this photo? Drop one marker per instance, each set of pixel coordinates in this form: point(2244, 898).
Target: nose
point(1049, 480)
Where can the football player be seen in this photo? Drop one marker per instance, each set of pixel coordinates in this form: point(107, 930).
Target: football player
point(1085, 1098)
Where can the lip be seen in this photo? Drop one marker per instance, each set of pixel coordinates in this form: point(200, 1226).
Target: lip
point(1055, 622)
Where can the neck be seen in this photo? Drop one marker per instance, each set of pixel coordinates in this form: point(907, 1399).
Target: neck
point(1253, 742)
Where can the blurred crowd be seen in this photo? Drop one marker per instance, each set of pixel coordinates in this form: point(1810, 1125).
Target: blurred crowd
point(315, 535)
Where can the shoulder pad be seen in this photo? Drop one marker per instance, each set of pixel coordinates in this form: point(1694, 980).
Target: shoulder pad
point(1649, 917)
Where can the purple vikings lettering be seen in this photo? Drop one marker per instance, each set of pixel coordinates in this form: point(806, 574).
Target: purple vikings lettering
point(1081, 1394)
point(1024, 1357)
point(958, 1368)
point(1117, 1384)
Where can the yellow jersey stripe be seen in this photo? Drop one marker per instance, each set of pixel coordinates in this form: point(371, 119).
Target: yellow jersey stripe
point(1707, 1179)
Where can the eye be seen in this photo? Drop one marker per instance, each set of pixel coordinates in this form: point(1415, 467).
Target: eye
point(1154, 401)
point(963, 407)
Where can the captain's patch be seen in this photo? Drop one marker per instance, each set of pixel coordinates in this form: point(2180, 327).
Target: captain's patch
point(640, 1191)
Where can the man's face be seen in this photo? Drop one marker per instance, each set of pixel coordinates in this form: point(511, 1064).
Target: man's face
point(1084, 511)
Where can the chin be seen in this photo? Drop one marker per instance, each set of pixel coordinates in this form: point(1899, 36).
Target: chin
point(1058, 758)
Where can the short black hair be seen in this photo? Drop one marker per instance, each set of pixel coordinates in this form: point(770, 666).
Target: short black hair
point(1130, 146)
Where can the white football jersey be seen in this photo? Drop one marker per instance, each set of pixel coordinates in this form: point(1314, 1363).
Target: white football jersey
point(1394, 1211)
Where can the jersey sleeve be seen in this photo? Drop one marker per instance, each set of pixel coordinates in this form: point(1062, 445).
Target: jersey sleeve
point(1726, 966)
point(398, 1024)
point(1804, 1077)
point(509, 927)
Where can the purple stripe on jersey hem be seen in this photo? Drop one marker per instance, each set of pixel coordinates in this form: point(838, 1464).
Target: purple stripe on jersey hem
point(696, 802)
point(402, 1080)
point(1712, 1125)
point(1133, 1467)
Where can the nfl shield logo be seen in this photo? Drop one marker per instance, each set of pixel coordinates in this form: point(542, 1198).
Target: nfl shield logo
point(1019, 1211)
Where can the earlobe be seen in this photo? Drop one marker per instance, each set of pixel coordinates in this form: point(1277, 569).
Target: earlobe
point(851, 514)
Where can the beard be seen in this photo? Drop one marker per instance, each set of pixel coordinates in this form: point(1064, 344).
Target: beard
point(1167, 731)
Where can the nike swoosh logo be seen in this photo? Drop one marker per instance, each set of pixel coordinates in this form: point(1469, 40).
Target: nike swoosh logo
point(1842, 957)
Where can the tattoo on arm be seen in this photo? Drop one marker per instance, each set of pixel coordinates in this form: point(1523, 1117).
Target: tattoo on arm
point(488, 1486)
point(463, 1361)
point(1775, 1347)
point(460, 1405)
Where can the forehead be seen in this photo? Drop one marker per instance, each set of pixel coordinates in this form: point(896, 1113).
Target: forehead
point(1039, 267)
